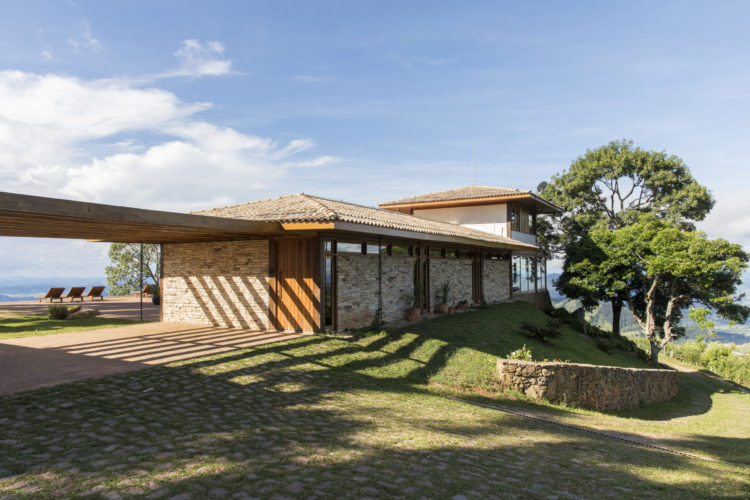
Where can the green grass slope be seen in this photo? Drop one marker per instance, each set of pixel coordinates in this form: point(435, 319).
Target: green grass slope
point(461, 350)
point(29, 325)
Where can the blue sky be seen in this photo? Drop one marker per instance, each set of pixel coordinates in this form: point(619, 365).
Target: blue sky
point(187, 105)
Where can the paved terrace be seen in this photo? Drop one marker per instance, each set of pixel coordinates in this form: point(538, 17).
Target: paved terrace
point(111, 307)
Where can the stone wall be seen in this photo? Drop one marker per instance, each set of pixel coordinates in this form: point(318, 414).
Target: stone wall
point(496, 280)
point(217, 283)
point(541, 299)
point(588, 386)
point(356, 290)
point(398, 286)
point(457, 272)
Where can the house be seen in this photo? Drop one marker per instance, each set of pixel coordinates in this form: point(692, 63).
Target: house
point(306, 263)
point(354, 262)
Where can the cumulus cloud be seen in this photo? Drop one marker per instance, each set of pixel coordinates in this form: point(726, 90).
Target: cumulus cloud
point(110, 141)
point(201, 59)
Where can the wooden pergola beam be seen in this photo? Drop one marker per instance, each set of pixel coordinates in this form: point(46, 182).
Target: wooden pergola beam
point(37, 216)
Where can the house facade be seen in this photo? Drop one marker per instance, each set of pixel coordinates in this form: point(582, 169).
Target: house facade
point(336, 265)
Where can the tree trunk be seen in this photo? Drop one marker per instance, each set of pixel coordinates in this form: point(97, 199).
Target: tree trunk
point(616, 314)
point(655, 352)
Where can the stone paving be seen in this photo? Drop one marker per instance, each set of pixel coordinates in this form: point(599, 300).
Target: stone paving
point(291, 420)
point(32, 362)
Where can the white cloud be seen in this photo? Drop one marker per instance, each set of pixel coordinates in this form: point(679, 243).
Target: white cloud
point(85, 40)
point(47, 55)
point(51, 124)
point(200, 59)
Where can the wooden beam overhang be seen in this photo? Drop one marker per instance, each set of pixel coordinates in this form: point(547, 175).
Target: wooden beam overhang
point(359, 230)
point(540, 205)
point(37, 216)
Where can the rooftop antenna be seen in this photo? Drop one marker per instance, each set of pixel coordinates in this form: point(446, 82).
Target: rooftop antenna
point(475, 162)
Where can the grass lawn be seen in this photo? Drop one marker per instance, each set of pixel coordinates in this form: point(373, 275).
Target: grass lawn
point(28, 325)
point(325, 417)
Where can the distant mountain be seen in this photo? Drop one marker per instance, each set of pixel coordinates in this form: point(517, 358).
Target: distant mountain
point(602, 317)
point(17, 288)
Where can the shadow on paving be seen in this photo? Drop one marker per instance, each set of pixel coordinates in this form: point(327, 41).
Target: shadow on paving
point(293, 419)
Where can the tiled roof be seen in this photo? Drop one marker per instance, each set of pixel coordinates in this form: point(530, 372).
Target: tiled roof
point(306, 208)
point(462, 193)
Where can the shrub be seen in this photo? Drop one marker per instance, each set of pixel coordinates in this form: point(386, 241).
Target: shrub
point(57, 311)
point(604, 344)
point(541, 333)
point(523, 354)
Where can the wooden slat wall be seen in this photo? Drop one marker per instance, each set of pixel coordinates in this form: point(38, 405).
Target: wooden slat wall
point(297, 286)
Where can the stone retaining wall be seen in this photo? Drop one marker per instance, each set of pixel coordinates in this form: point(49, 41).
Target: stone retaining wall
point(541, 299)
point(588, 386)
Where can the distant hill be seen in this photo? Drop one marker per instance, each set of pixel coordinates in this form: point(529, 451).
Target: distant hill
point(17, 288)
point(602, 317)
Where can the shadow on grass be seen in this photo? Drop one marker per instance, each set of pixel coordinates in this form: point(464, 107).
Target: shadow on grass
point(296, 419)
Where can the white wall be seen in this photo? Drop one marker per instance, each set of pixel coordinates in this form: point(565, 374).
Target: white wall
point(488, 218)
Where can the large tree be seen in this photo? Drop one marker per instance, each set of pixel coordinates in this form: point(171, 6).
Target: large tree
point(612, 185)
point(673, 271)
point(124, 271)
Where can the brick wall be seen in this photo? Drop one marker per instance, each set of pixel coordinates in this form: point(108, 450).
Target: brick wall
point(457, 272)
point(217, 283)
point(496, 279)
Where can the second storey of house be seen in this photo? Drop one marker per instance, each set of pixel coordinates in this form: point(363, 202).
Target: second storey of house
point(501, 211)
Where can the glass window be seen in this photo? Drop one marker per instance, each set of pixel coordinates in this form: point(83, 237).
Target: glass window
point(373, 249)
point(516, 268)
point(400, 250)
point(436, 252)
point(541, 272)
point(515, 219)
point(464, 254)
point(532, 224)
point(329, 246)
point(329, 292)
point(342, 247)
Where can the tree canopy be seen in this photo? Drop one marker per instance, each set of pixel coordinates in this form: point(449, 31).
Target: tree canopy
point(671, 270)
point(124, 272)
point(611, 187)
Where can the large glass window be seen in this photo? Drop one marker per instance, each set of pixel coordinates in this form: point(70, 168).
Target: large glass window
point(516, 267)
point(342, 247)
point(329, 292)
point(515, 219)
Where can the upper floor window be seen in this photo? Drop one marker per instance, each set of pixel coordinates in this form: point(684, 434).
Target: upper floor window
point(515, 219)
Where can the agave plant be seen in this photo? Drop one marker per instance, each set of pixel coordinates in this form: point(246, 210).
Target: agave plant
point(541, 333)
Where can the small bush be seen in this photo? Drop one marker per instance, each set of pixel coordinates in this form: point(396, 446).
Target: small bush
point(522, 354)
point(604, 344)
point(541, 333)
point(57, 311)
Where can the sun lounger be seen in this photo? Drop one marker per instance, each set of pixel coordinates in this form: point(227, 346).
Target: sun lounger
point(75, 292)
point(96, 292)
point(53, 294)
point(146, 291)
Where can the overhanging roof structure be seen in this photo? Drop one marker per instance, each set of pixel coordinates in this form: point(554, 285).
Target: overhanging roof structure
point(288, 216)
point(37, 216)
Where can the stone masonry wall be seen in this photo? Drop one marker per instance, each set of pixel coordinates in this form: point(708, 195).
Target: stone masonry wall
point(588, 386)
point(457, 272)
point(356, 290)
point(398, 286)
point(496, 280)
point(217, 283)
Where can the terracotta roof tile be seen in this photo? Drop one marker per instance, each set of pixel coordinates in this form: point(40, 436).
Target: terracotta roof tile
point(462, 193)
point(306, 208)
